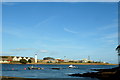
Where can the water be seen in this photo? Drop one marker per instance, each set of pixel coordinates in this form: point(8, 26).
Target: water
point(47, 72)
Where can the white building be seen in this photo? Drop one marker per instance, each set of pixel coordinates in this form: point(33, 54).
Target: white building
point(15, 58)
point(35, 58)
point(19, 58)
point(27, 58)
point(4, 61)
point(85, 60)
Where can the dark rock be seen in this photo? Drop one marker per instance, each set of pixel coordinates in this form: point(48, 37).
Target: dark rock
point(104, 74)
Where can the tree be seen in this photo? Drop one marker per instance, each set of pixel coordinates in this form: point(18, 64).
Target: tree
point(29, 61)
point(89, 62)
point(23, 61)
point(118, 50)
point(48, 58)
point(49, 62)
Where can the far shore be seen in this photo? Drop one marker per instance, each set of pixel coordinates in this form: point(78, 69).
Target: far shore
point(67, 63)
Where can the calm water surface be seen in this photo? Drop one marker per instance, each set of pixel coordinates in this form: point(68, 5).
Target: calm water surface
point(7, 70)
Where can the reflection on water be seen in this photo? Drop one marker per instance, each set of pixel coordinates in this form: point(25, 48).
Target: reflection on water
point(18, 70)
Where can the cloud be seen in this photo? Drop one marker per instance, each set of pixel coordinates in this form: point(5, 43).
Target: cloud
point(13, 31)
point(71, 31)
point(108, 27)
point(111, 41)
point(22, 49)
point(47, 20)
point(43, 51)
point(111, 36)
point(108, 33)
point(6, 52)
point(26, 49)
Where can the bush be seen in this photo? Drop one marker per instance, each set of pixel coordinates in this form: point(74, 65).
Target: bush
point(48, 58)
point(49, 62)
point(89, 62)
point(23, 61)
point(29, 61)
point(4, 57)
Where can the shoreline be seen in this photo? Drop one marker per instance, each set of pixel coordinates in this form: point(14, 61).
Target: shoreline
point(65, 63)
point(22, 78)
point(18, 78)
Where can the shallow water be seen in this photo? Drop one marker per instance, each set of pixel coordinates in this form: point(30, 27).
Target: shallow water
point(17, 70)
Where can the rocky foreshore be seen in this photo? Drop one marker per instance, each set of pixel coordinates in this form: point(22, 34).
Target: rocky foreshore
point(104, 74)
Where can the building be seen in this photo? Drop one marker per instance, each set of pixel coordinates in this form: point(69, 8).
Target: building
point(8, 59)
point(15, 58)
point(35, 58)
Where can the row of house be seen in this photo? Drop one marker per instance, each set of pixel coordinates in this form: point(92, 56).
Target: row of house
point(7, 59)
point(19, 58)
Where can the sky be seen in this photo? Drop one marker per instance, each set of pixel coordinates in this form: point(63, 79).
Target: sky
point(58, 29)
point(60, 0)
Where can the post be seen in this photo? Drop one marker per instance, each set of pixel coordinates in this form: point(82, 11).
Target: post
point(118, 49)
point(119, 59)
point(35, 58)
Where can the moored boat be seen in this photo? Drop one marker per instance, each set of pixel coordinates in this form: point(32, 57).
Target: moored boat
point(31, 67)
point(56, 68)
point(71, 66)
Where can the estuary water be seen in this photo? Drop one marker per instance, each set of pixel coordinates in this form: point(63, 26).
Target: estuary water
point(18, 70)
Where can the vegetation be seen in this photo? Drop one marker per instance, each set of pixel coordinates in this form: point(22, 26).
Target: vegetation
point(4, 56)
point(29, 61)
point(23, 61)
point(48, 58)
point(12, 56)
point(49, 62)
point(14, 62)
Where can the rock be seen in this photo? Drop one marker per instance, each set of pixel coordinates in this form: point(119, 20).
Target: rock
point(105, 74)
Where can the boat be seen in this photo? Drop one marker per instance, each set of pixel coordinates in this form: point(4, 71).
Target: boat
point(31, 67)
point(71, 66)
point(56, 68)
